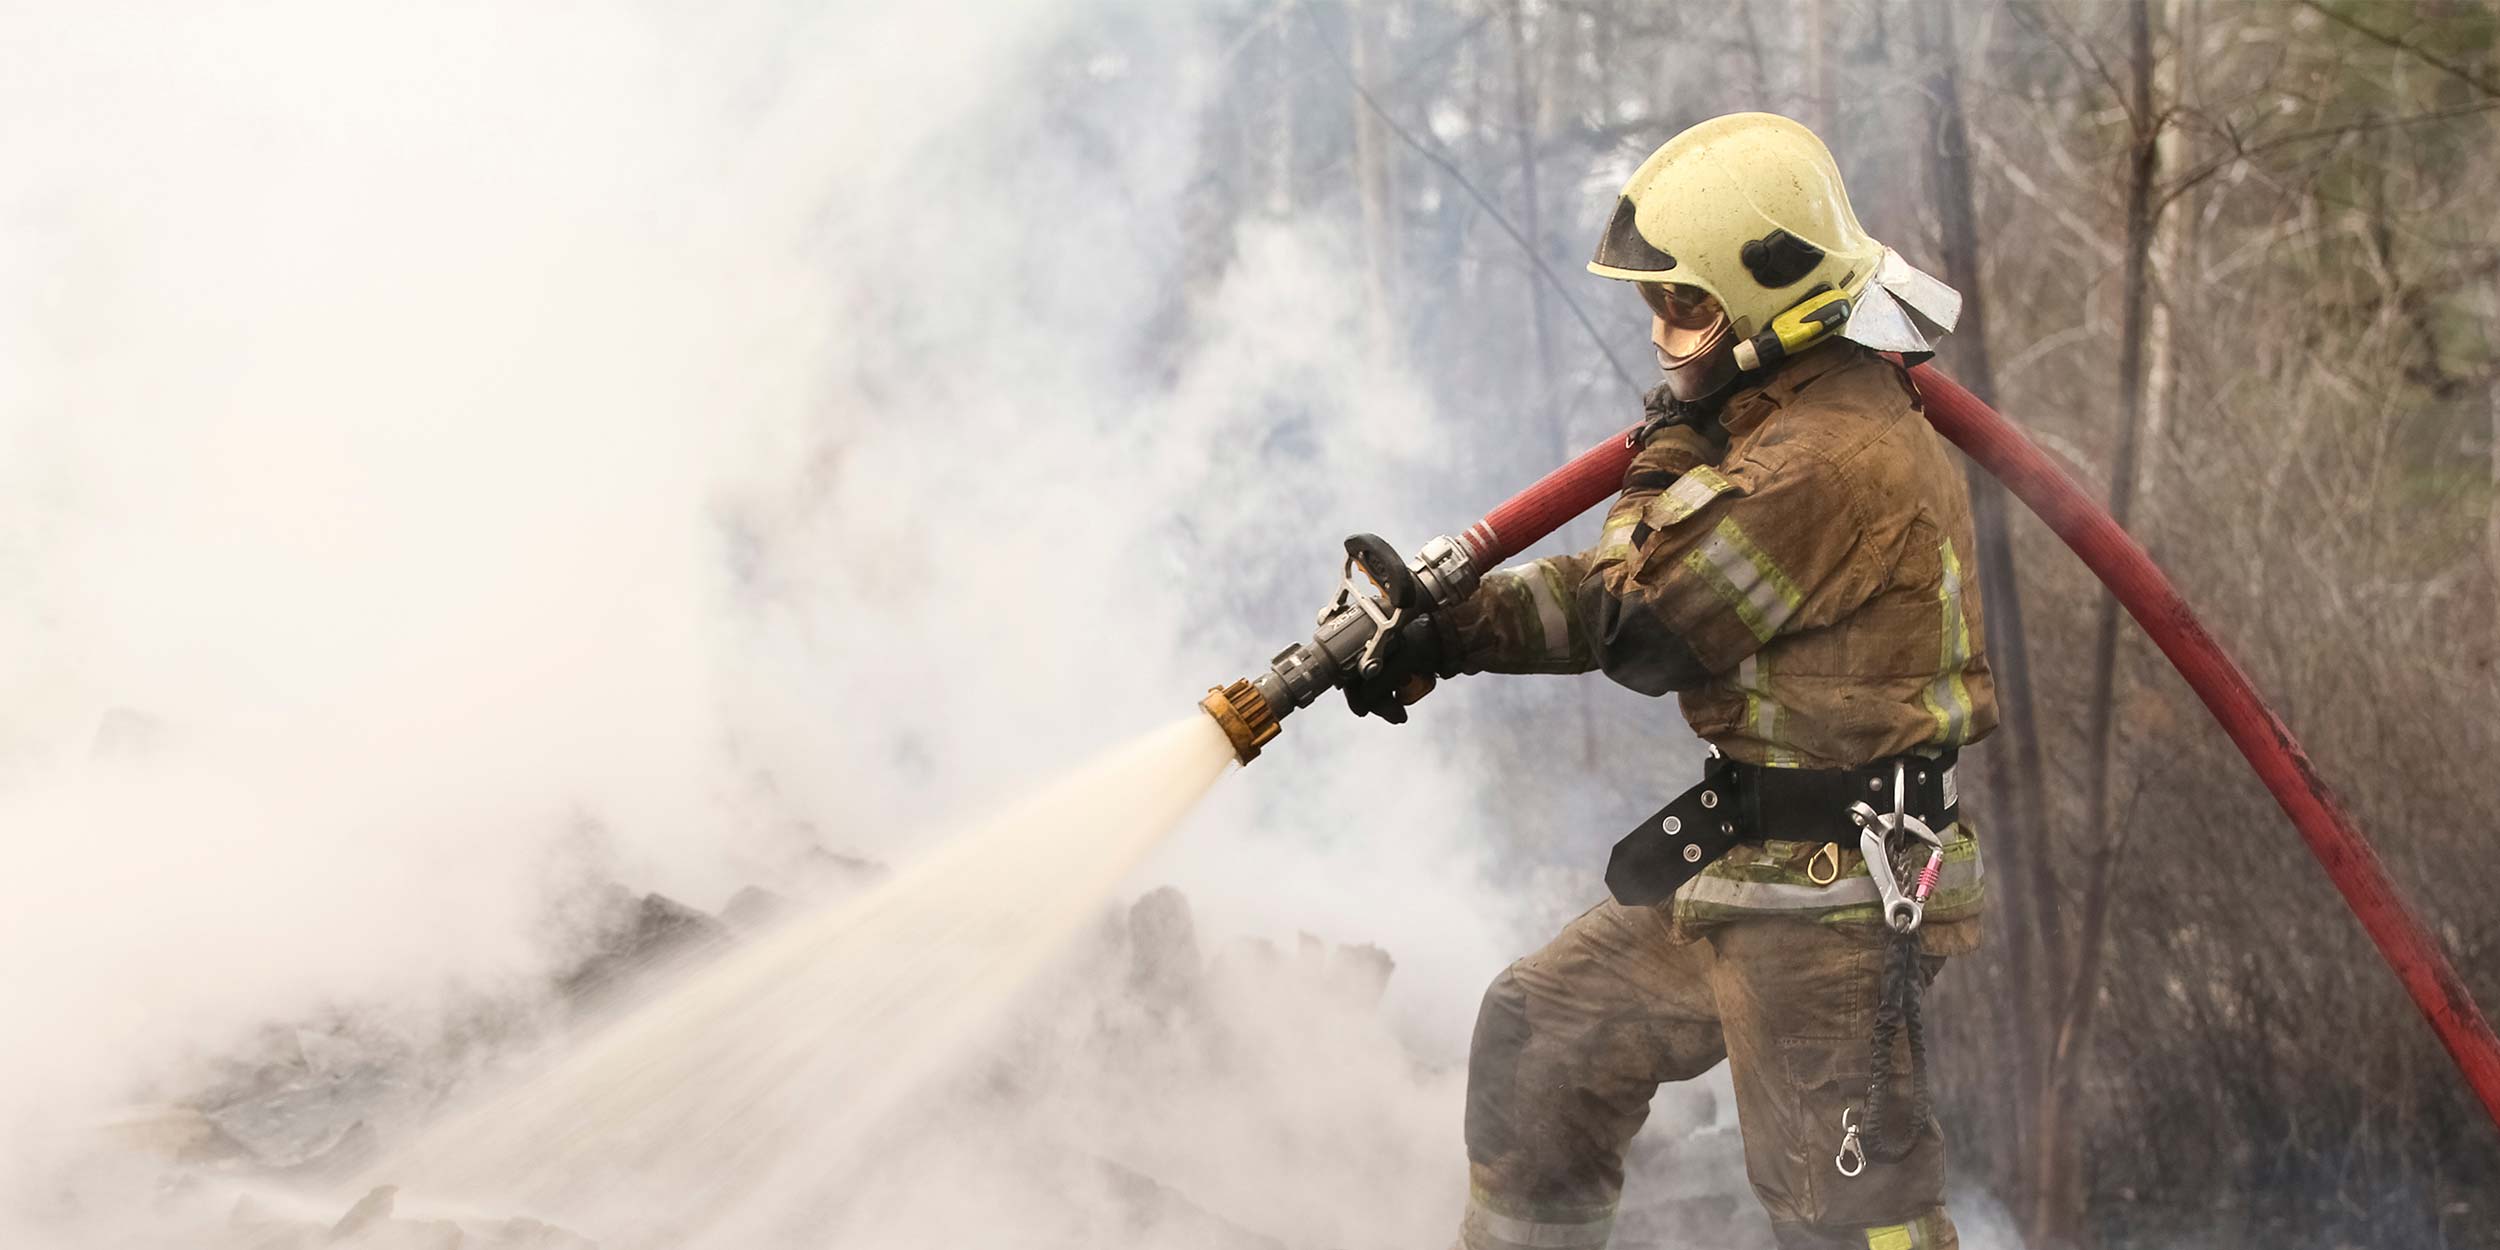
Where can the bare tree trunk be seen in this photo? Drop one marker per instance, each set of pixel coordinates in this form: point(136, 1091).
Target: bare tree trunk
point(2168, 259)
point(1523, 115)
point(1280, 191)
point(1372, 176)
point(2058, 1200)
point(1762, 90)
point(1814, 95)
point(2017, 770)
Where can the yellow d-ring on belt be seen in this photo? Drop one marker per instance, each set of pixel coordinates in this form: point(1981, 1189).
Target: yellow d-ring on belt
point(1824, 868)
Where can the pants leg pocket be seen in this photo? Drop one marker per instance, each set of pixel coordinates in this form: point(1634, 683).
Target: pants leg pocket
point(1826, 1078)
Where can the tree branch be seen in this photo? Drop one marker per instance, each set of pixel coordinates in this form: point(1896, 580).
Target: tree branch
point(2241, 152)
point(1443, 164)
point(2414, 50)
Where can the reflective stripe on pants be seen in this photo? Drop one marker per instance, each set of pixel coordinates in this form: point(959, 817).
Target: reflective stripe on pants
point(1560, 1227)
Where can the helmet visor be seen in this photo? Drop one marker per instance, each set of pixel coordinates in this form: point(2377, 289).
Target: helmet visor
point(1690, 320)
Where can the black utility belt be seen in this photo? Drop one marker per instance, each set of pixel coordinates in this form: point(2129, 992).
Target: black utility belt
point(1738, 802)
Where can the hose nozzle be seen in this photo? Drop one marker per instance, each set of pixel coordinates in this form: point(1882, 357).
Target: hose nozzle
point(1245, 715)
point(1375, 591)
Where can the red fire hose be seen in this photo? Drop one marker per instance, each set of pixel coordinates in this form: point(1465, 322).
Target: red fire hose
point(2261, 736)
point(2147, 594)
point(1590, 479)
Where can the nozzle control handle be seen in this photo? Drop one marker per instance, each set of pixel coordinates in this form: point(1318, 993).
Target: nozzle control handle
point(1386, 568)
point(1366, 621)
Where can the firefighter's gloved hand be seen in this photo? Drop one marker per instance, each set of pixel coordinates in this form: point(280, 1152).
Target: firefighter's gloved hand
point(1411, 661)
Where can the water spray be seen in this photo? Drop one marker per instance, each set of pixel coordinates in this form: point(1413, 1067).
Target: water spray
point(1343, 649)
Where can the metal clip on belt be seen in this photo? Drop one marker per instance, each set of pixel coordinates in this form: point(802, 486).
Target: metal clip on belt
point(1903, 909)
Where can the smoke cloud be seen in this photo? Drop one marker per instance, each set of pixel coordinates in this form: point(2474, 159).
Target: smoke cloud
point(460, 453)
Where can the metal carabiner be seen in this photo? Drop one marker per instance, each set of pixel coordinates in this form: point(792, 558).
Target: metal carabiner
point(1852, 1157)
point(1903, 910)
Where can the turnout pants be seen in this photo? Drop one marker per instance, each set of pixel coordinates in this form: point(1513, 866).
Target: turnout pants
point(1572, 1042)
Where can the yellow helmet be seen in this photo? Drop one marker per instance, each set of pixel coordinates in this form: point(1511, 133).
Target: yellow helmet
point(1749, 208)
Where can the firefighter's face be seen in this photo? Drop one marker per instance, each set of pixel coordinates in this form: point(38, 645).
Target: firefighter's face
point(1696, 346)
point(1686, 321)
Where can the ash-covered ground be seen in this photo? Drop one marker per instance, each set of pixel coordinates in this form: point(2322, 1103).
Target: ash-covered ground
point(1158, 1088)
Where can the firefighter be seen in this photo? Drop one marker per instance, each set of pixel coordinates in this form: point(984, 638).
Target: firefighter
point(1792, 557)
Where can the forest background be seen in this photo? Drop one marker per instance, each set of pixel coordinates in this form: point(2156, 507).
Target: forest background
point(2235, 263)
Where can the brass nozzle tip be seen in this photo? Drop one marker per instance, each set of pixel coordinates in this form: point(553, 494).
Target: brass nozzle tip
point(1245, 716)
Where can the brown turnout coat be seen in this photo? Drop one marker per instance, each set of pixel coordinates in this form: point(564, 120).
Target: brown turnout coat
point(1807, 596)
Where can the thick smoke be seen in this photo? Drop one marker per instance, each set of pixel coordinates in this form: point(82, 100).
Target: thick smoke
point(458, 454)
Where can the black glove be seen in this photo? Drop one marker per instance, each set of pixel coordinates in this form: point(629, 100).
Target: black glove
point(1412, 656)
point(1661, 410)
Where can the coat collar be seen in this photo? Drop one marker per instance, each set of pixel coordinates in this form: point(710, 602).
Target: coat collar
point(1747, 408)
